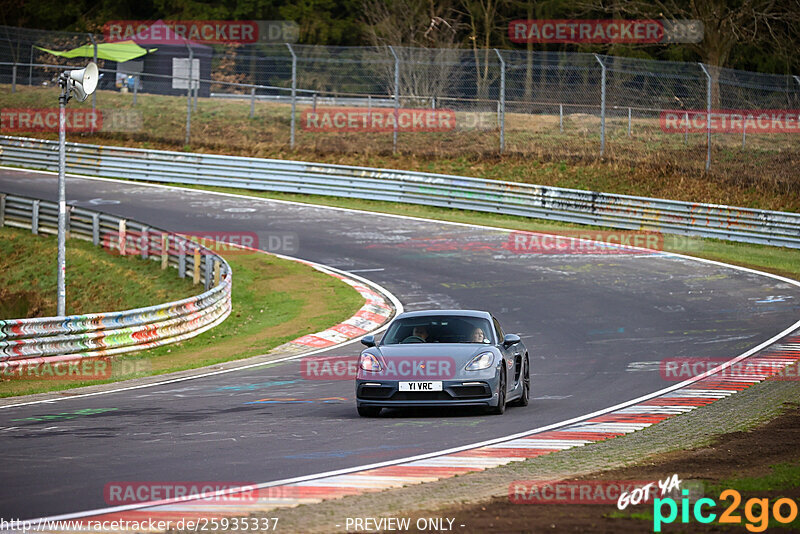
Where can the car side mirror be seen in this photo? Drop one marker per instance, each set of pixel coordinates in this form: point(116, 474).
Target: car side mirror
point(368, 341)
point(510, 339)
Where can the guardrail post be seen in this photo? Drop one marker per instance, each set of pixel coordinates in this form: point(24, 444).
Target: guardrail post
point(252, 102)
point(396, 98)
point(144, 240)
point(181, 245)
point(96, 229)
point(196, 266)
point(708, 116)
point(122, 238)
point(35, 218)
point(2, 209)
point(294, 95)
point(502, 102)
point(602, 105)
point(208, 263)
point(14, 78)
point(67, 219)
point(164, 251)
point(216, 273)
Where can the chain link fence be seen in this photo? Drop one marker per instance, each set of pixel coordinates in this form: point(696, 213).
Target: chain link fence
point(546, 105)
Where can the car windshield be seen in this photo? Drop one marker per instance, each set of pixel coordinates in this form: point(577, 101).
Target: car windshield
point(439, 329)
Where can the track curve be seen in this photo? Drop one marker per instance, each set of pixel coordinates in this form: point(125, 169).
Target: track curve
point(590, 322)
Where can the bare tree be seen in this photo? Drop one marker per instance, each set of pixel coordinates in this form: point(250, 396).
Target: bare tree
point(726, 24)
point(424, 34)
point(481, 16)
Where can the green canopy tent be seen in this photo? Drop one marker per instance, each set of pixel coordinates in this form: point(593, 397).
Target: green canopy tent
point(119, 52)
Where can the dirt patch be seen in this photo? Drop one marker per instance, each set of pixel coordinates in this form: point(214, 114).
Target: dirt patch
point(731, 458)
point(21, 304)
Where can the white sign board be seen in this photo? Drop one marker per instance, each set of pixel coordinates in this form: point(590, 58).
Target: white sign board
point(180, 73)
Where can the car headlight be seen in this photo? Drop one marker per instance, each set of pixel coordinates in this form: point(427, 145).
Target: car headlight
point(483, 360)
point(370, 363)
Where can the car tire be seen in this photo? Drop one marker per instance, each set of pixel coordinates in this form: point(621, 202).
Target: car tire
point(500, 409)
point(526, 386)
point(369, 411)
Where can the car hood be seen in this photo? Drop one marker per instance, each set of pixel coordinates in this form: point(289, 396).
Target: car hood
point(461, 352)
point(427, 361)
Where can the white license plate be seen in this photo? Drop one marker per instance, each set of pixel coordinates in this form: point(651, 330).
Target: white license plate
point(420, 386)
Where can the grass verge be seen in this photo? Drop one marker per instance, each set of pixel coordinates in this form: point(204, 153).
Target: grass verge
point(96, 281)
point(274, 301)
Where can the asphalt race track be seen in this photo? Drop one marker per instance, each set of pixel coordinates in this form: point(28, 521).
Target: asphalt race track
point(596, 326)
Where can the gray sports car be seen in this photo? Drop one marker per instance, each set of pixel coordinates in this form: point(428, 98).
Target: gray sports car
point(443, 358)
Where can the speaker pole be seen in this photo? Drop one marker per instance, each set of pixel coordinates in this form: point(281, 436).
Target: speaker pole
point(63, 82)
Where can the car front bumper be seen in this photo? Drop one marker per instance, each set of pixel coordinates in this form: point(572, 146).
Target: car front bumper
point(386, 394)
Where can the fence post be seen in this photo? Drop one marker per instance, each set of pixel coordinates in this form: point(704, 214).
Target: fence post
point(561, 118)
point(208, 262)
point(164, 251)
point(181, 245)
point(315, 103)
point(294, 94)
point(708, 116)
point(135, 88)
point(189, 99)
point(502, 101)
point(396, 98)
point(629, 122)
point(196, 267)
point(686, 131)
point(2, 209)
point(122, 238)
point(144, 241)
point(252, 102)
point(602, 106)
point(14, 78)
point(96, 230)
point(35, 218)
point(744, 131)
point(30, 69)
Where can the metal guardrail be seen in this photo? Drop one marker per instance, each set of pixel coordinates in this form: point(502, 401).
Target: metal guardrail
point(104, 334)
point(493, 196)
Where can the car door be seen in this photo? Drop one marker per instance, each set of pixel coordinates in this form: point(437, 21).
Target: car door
point(509, 355)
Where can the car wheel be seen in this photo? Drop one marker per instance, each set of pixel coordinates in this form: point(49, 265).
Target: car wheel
point(500, 409)
point(526, 386)
point(369, 411)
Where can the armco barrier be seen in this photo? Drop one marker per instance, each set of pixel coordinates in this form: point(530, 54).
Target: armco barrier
point(103, 334)
point(493, 196)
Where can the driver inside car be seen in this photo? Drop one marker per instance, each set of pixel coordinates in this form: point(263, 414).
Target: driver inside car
point(420, 332)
